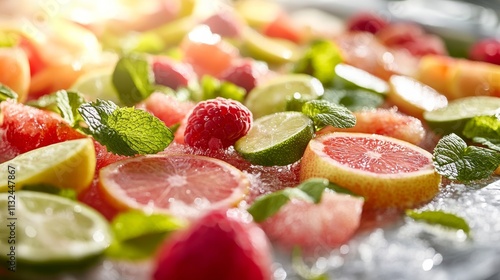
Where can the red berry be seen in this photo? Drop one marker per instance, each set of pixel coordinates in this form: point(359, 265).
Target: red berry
point(171, 73)
point(217, 124)
point(367, 22)
point(245, 73)
point(223, 245)
point(487, 50)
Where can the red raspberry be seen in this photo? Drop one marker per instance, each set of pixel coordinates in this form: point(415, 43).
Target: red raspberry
point(217, 124)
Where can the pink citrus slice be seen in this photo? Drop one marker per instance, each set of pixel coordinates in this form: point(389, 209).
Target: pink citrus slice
point(386, 171)
point(183, 185)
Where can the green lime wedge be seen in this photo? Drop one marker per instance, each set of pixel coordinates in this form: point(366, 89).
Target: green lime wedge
point(452, 118)
point(270, 50)
point(350, 77)
point(271, 97)
point(97, 84)
point(277, 139)
point(49, 233)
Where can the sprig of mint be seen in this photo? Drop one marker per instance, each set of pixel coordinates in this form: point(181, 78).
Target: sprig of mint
point(137, 235)
point(325, 113)
point(125, 131)
point(484, 130)
point(455, 160)
point(354, 99)
point(63, 102)
point(310, 190)
point(133, 79)
point(442, 218)
point(319, 61)
point(211, 87)
point(7, 93)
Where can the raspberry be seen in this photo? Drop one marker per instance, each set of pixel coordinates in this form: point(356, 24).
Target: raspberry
point(217, 124)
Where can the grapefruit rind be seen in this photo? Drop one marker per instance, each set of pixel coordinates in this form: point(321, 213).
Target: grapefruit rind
point(117, 196)
point(400, 190)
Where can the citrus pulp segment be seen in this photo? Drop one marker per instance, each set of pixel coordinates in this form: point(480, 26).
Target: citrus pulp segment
point(271, 97)
point(452, 118)
point(52, 231)
point(277, 139)
point(70, 164)
point(184, 185)
point(386, 171)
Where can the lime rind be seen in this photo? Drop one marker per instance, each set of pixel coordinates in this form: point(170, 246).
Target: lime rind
point(350, 77)
point(53, 232)
point(452, 118)
point(277, 139)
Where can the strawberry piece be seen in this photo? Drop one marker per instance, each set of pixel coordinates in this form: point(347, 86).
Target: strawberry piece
point(283, 27)
point(167, 108)
point(367, 22)
point(487, 50)
point(314, 227)
point(223, 245)
point(245, 73)
point(172, 74)
point(217, 124)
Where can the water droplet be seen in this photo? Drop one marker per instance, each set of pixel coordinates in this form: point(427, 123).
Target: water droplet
point(77, 209)
point(30, 232)
point(427, 264)
point(98, 236)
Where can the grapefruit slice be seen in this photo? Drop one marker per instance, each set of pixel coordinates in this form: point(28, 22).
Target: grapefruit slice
point(183, 185)
point(386, 171)
point(329, 224)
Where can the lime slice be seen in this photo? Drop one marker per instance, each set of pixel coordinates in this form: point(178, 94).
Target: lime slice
point(97, 84)
point(50, 232)
point(68, 164)
point(452, 118)
point(271, 97)
point(350, 77)
point(258, 13)
point(277, 139)
point(174, 31)
point(270, 50)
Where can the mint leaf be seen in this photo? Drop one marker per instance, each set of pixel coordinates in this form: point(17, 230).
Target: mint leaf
point(325, 113)
point(440, 218)
point(65, 103)
point(125, 131)
point(133, 79)
point(314, 187)
point(67, 193)
point(484, 130)
point(211, 88)
point(455, 160)
point(319, 61)
point(267, 205)
point(7, 93)
point(354, 99)
point(138, 235)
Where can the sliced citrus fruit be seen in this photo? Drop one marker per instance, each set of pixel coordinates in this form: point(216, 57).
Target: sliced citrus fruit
point(69, 164)
point(386, 171)
point(388, 122)
point(258, 13)
point(414, 98)
point(97, 84)
point(51, 232)
point(350, 77)
point(271, 97)
point(184, 185)
point(277, 139)
point(268, 49)
point(452, 118)
point(15, 71)
point(330, 223)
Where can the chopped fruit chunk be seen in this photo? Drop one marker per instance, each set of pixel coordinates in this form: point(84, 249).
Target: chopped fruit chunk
point(245, 73)
point(386, 171)
point(330, 223)
point(172, 74)
point(217, 124)
point(225, 22)
point(368, 22)
point(222, 245)
point(283, 27)
point(487, 50)
point(167, 108)
point(15, 71)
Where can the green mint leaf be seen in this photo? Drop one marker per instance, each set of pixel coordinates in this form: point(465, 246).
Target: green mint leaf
point(267, 205)
point(125, 131)
point(484, 130)
point(50, 189)
point(211, 88)
point(133, 79)
point(354, 99)
point(338, 189)
point(440, 218)
point(138, 235)
point(7, 93)
point(319, 61)
point(325, 113)
point(314, 187)
point(455, 160)
point(65, 103)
